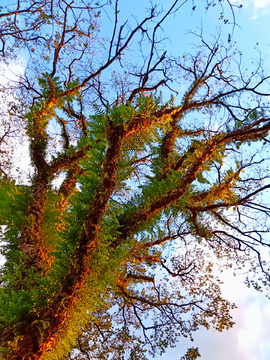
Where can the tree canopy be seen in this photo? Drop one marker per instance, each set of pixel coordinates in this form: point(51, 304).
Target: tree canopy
point(111, 236)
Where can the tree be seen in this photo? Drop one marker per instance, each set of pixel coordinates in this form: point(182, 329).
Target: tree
point(130, 197)
point(192, 353)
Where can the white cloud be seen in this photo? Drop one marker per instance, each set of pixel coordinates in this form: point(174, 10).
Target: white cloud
point(247, 340)
point(257, 7)
point(259, 4)
point(254, 327)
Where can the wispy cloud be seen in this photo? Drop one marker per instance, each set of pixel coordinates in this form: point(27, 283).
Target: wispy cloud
point(247, 340)
point(256, 4)
point(257, 7)
point(252, 336)
point(260, 4)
